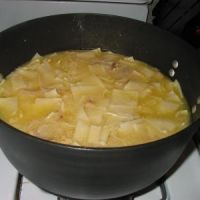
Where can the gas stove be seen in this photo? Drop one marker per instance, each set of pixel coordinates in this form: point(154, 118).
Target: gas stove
point(182, 181)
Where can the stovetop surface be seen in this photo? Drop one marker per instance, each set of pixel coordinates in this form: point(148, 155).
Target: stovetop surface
point(14, 12)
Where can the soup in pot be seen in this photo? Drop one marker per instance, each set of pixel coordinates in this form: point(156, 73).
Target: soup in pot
point(92, 99)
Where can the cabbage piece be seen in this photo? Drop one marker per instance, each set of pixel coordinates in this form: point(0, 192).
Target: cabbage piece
point(162, 124)
point(183, 116)
point(133, 132)
point(157, 88)
point(110, 56)
point(177, 88)
point(117, 117)
point(69, 109)
point(51, 93)
point(6, 89)
point(106, 132)
point(54, 130)
point(94, 80)
point(36, 56)
point(94, 135)
point(147, 71)
point(53, 116)
point(44, 106)
point(132, 127)
point(46, 74)
point(121, 110)
point(122, 97)
point(146, 110)
point(97, 69)
point(130, 59)
point(138, 76)
point(136, 85)
point(119, 70)
point(126, 127)
point(8, 107)
point(94, 113)
point(139, 131)
point(81, 91)
point(166, 107)
point(27, 74)
point(17, 82)
point(81, 132)
point(90, 54)
point(172, 96)
point(82, 115)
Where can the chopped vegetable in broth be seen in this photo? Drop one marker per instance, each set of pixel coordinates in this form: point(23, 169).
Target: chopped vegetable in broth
point(92, 98)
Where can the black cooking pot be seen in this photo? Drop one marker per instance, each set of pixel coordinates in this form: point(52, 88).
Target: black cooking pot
point(97, 173)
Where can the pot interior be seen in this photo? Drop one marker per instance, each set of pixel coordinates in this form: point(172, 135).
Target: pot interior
point(174, 57)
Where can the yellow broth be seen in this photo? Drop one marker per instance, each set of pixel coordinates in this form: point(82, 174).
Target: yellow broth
point(92, 98)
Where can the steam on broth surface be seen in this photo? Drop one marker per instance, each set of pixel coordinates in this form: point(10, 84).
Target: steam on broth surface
point(92, 98)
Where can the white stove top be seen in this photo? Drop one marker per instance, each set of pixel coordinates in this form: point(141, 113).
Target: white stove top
point(13, 12)
point(182, 184)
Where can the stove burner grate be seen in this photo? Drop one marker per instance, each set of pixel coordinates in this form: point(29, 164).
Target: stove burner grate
point(162, 186)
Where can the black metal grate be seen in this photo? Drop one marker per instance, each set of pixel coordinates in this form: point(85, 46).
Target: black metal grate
point(162, 186)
